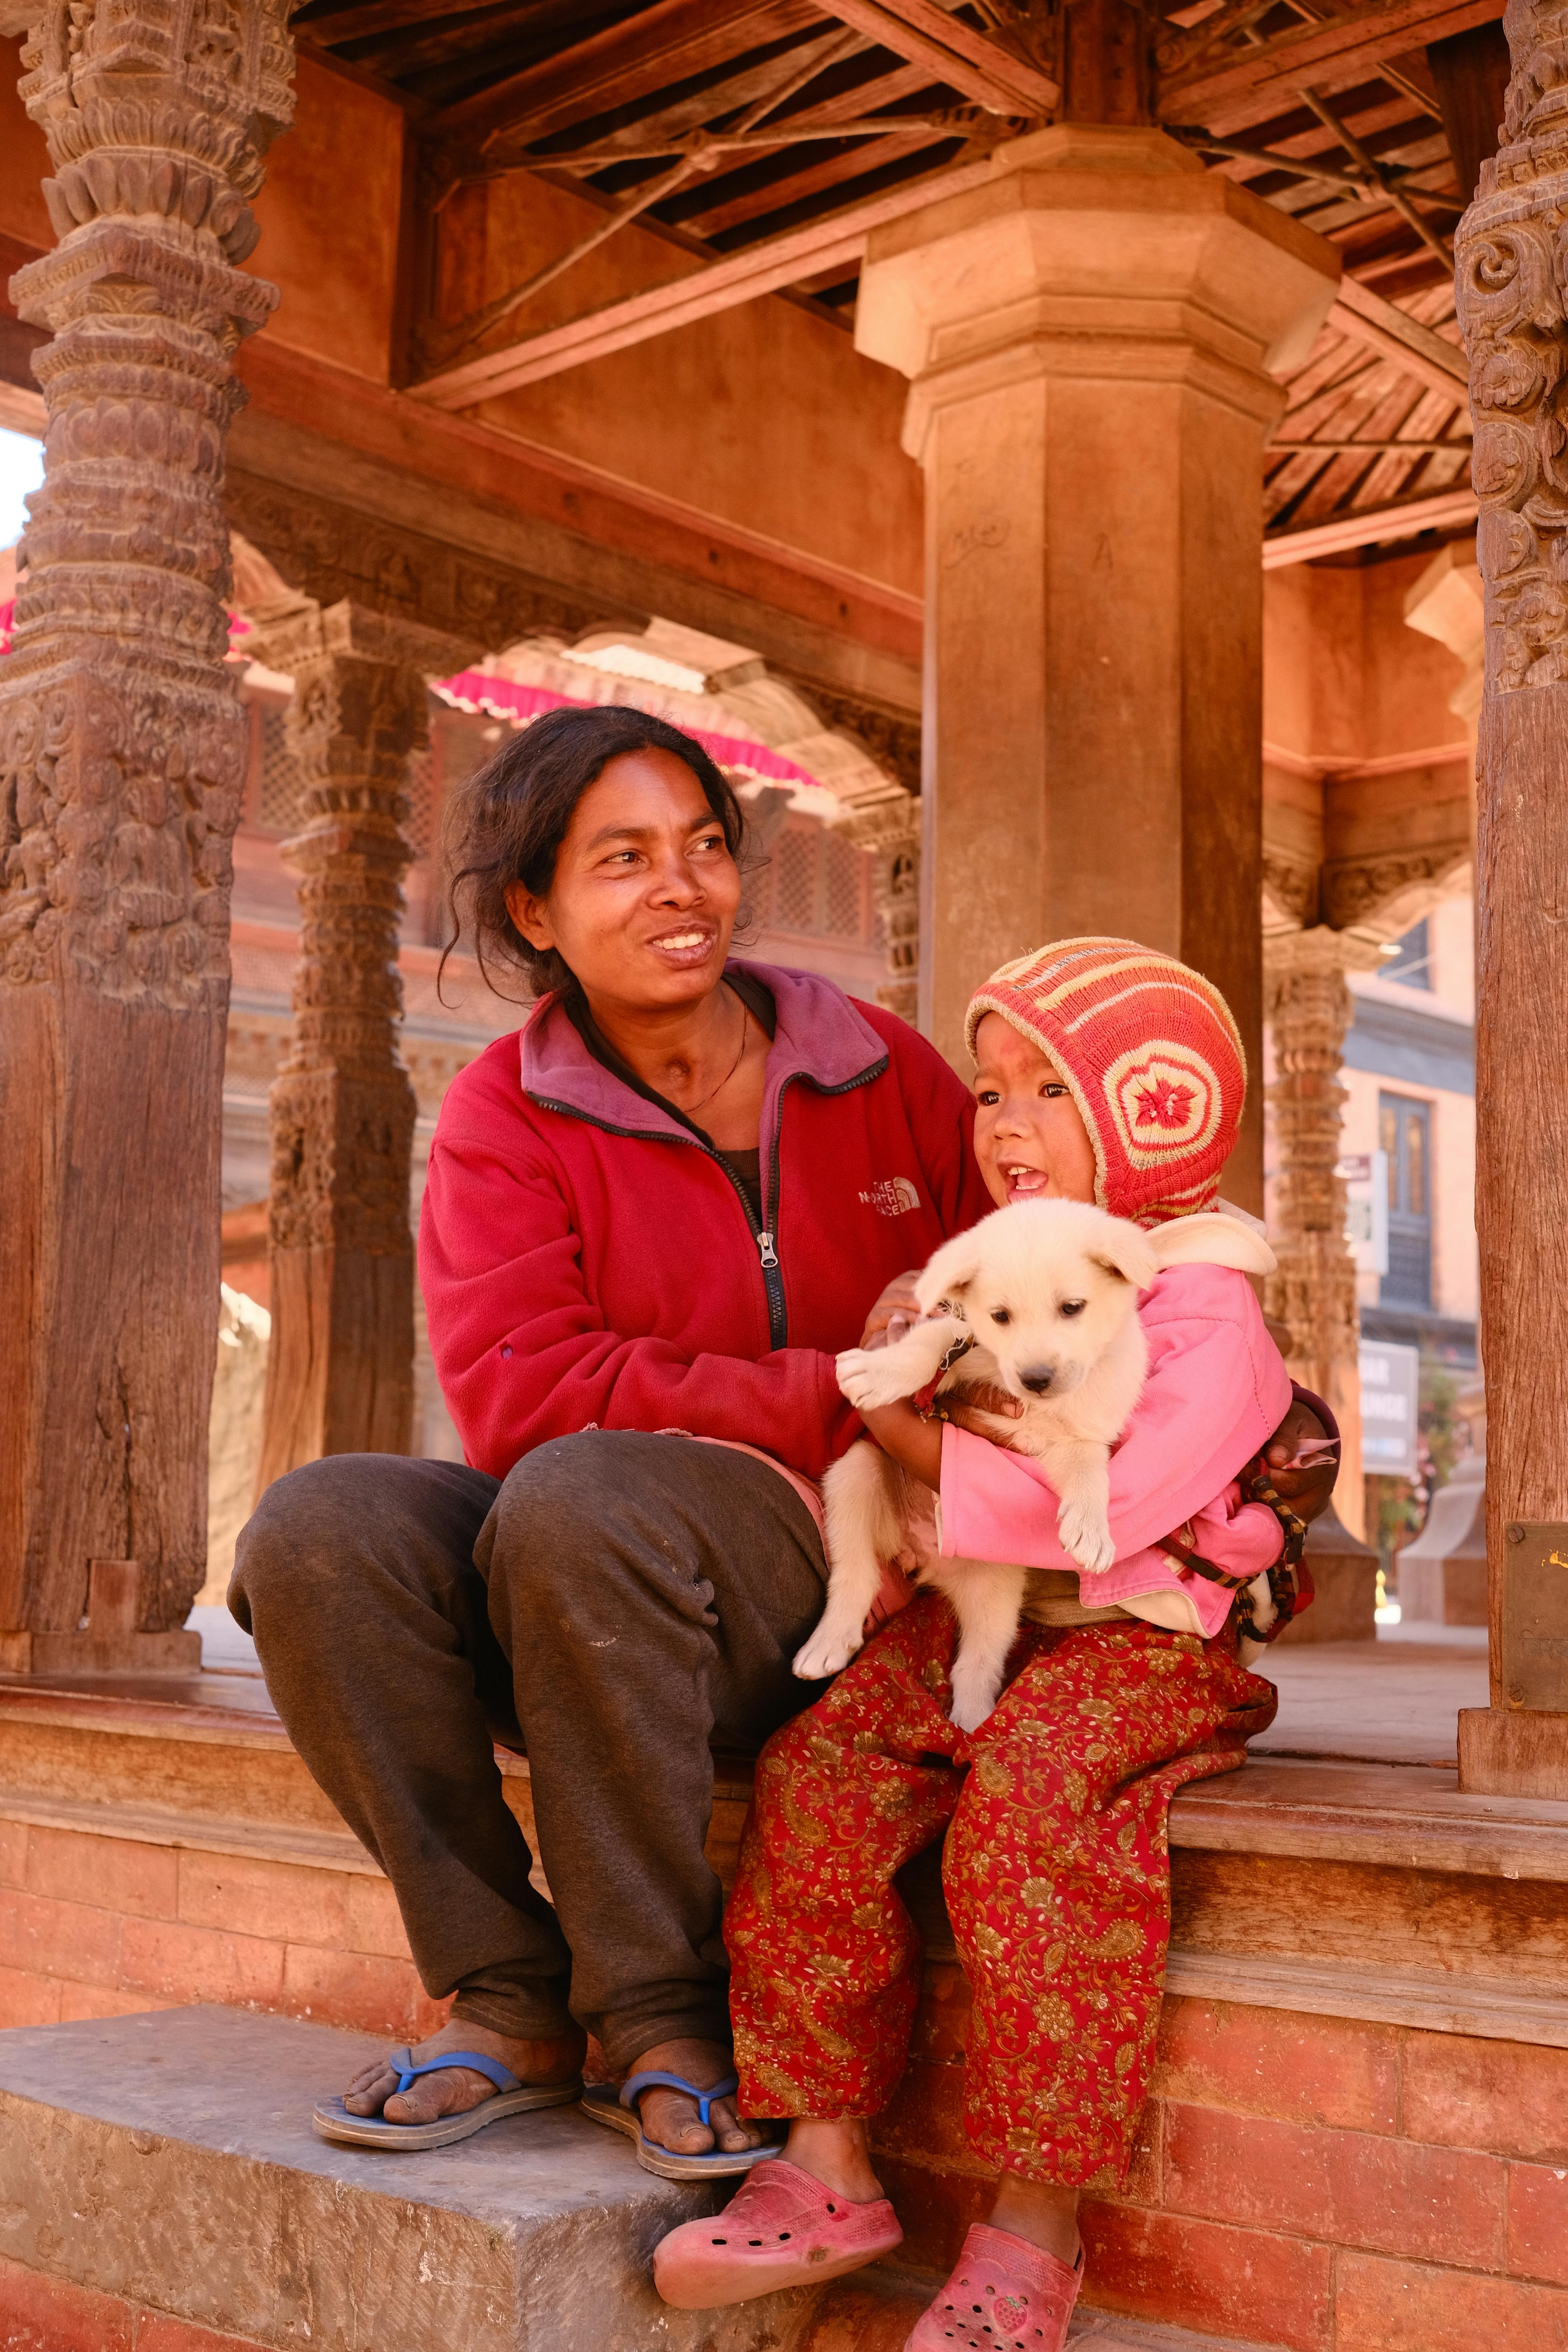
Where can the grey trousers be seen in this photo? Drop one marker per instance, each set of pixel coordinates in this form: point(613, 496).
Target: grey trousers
point(615, 1604)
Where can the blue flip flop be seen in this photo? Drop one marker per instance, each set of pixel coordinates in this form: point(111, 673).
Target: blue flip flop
point(618, 2112)
point(332, 2120)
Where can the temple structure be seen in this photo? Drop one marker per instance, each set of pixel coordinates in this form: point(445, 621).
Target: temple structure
point(1033, 443)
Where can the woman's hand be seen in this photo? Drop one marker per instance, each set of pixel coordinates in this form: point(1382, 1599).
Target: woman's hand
point(1308, 1489)
point(898, 1301)
point(969, 1404)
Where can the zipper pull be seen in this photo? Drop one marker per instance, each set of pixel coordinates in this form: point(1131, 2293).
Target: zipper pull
point(766, 1250)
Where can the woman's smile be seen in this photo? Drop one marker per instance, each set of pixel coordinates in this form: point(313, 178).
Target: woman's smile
point(693, 943)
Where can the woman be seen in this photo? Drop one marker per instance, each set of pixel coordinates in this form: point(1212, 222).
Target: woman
point(652, 1220)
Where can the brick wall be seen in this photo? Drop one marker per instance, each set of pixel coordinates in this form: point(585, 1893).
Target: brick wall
point(1307, 2182)
point(1311, 2183)
point(97, 1926)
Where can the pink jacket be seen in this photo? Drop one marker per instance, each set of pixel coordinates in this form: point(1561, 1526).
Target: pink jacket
point(1216, 1391)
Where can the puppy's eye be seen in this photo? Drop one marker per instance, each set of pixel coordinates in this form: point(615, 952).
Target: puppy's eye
point(1074, 1306)
point(1001, 1314)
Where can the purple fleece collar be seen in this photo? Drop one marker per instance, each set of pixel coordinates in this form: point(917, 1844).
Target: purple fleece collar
point(820, 1037)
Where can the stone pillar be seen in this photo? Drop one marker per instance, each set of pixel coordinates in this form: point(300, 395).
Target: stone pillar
point(121, 759)
point(1088, 337)
point(890, 829)
point(1314, 1292)
point(339, 1372)
point(1508, 252)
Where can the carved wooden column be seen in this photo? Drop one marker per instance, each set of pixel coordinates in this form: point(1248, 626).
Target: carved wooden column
point(890, 829)
point(1088, 337)
point(1510, 279)
point(1308, 1009)
point(339, 1373)
point(121, 758)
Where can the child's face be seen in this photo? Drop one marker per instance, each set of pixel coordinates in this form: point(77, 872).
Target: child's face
point(1029, 1138)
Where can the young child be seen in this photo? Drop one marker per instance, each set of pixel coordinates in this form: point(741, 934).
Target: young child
point(1111, 1074)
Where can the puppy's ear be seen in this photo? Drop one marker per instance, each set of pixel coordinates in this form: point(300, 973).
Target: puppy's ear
point(949, 1273)
point(1123, 1248)
point(1211, 1241)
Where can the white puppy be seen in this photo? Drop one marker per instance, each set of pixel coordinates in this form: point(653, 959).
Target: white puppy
point(1046, 1293)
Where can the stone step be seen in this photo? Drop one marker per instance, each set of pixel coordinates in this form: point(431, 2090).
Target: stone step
point(159, 2184)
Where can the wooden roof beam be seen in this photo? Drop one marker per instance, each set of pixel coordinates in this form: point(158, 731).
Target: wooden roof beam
point(665, 43)
point(1413, 348)
point(1448, 511)
point(966, 60)
point(837, 240)
point(1229, 92)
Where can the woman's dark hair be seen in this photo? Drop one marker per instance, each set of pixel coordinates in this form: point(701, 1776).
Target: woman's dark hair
point(506, 823)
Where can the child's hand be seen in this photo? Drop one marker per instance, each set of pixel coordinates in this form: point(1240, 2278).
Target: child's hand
point(1307, 1486)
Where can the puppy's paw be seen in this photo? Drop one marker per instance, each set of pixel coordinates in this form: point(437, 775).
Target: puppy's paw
point(829, 1651)
point(973, 1700)
point(1087, 1537)
point(870, 1377)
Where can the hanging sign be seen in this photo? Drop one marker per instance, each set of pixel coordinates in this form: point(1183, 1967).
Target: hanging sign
point(1390, 1387)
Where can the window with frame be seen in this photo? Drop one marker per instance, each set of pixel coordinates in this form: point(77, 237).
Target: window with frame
point(1404, 1136)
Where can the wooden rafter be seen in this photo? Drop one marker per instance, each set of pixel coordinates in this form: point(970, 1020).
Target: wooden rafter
point(666, 44)
point(839, 238)
point(1375, 176)
point(1402, 519)
point(697, 154)
point(966, 60)
point(1229, 91)
point(1368, 319)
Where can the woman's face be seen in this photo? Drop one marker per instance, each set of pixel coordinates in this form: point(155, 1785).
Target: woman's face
point(1029, 1136)
point(645, 892)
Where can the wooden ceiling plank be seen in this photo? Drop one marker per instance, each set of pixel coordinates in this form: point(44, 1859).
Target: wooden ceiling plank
point(641, 133)
point(1228, 93)
point(664, 44)
point(828, 172)
point(364, 24)
point(449, 52)
point(967, 61)
point(761, 269)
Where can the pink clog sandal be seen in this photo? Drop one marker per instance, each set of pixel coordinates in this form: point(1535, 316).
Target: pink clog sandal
point(1005, 2296)
point(782, 2228)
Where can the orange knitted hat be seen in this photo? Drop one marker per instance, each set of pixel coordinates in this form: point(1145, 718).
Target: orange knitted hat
point(1152, 1056)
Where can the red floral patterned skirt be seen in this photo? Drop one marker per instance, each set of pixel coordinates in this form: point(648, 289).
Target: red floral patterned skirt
point(1056, 1866)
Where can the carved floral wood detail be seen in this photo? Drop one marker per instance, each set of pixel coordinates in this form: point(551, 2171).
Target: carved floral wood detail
point(1308, 1009)
point(1511, 287)
point(121, 742)
point(890, 829)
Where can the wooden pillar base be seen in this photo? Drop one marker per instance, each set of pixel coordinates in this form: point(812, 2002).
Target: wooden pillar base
point(1513, 1752)
point(25, 1653)
point(109, 1642)
point(1344, 1586)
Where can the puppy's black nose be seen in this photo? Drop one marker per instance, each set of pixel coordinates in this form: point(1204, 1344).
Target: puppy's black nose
point(1038, 1380)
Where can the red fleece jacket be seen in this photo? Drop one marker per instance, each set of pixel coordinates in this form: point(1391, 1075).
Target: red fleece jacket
point(586, 1262)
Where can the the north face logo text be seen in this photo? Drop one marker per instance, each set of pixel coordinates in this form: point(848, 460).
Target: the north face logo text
point(895, 1196)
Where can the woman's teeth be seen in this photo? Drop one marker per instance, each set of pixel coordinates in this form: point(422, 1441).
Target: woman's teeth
point(679, 940)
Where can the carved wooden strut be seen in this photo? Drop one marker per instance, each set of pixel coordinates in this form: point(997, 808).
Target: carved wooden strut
point(122, 756)
point(1308, 1009)
point(340, 1375)
point(1511, 285)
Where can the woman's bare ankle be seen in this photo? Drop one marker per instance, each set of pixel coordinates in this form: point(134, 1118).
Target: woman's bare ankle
point(837, 2153)
point(1040, 2213)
